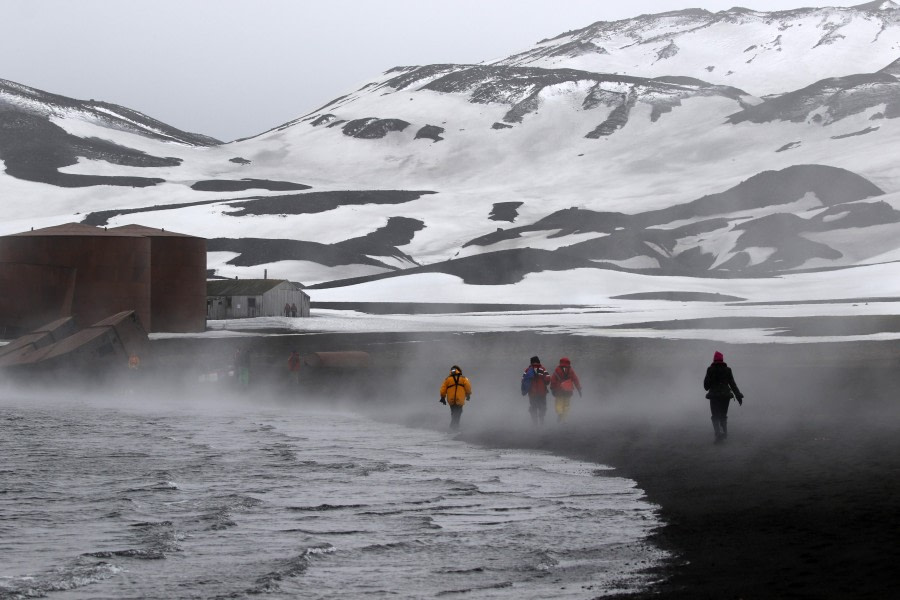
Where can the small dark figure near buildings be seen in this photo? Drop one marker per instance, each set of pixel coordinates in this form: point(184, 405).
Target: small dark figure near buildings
point(294, 369)
point(455, 391)
point(287, 309)
point(536, 385)
point(563, 383)
point(720, 389)
point(242, 367)
point(134, 366)
point(293, 309)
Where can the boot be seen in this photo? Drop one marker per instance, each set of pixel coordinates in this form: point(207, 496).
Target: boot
point(723, 422)
point(717, 428)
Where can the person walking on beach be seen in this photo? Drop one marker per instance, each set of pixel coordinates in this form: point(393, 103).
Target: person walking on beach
point(287, 309)
point(455, 391)
point(563, 383)
point(242, 367)
point(294, 369)
point(720, 389)
point(535, 385)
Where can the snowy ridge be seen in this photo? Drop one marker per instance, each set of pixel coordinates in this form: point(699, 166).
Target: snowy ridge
point(609, 151)
point(752, 50)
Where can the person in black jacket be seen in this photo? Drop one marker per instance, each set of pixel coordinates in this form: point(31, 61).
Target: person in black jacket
point(535, 385)
point(720, 388)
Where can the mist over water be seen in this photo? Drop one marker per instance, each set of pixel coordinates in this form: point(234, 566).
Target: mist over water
point(168, 496)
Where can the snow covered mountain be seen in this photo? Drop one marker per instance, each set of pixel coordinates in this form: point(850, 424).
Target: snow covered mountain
point(691, 144)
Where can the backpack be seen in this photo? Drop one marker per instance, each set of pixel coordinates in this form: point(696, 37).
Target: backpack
point(527, 376)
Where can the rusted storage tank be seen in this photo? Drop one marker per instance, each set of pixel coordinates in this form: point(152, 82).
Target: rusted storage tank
point(112, 268)
point(33, 295)
point(177, 279)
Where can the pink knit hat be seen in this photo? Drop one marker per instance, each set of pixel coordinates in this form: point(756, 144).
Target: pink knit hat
point(718, 357)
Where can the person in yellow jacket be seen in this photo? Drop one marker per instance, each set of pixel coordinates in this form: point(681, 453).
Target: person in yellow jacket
point(455, 390)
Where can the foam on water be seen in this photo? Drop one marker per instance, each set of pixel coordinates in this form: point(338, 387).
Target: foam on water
point(161, 503)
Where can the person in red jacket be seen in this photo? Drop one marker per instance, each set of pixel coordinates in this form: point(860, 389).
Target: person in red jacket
point(563, 383)
point(536, 385)
point(294, 369)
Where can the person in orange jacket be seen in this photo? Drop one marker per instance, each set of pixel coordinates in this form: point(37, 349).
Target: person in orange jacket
point(455, 391)
point(563, 383)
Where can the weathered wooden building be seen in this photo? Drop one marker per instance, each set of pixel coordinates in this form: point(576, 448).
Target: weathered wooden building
point(245, 298)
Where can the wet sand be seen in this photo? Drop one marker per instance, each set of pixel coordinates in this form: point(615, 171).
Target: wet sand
point(802, 501)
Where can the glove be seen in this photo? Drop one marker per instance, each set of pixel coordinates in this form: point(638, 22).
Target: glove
point(468, 398)
point(443, 400)
point(740, 400)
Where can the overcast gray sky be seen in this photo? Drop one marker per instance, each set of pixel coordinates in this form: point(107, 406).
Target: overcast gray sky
point(235, 68)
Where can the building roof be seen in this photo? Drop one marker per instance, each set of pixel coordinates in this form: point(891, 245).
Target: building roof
point(76, 229)
point(80, 229)
point(241, 287)
point(148, 231)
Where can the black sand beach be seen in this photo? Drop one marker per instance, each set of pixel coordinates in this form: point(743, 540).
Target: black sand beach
point(801, 502)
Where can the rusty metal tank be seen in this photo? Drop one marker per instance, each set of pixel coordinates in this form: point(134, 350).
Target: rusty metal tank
point(177, 279)
point(112, 268)
point(33, 295)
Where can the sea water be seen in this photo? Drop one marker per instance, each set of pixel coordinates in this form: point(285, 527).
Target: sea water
point(107, 500)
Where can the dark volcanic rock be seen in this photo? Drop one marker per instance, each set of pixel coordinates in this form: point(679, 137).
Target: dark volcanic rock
point(101, 218)
point(323, 120)
point(241, 185)
point(501, 126)
point(840, 97)
point(316, 202)
point(680, 297)
point(35, 149)
point(616, 119)
point(371, 128)
point(855, 133)
point(521, 87)
point(240, 161)
point(399, 231)
point(430, 132)
point(257, 251)
point(631, 236)
point(382, 242)
point(505, 211)
point(44, 104)
point(494, 268)
point(831, 185)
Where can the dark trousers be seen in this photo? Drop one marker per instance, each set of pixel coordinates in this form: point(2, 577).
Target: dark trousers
point(537, 408)
point(455, 414)
point(719, 409)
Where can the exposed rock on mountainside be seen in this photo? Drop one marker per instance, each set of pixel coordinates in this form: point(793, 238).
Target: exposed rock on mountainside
point(316, 202)
point(828, 101)
point(683, 143)
point(737, 44)
point(242, 185)
point(372, 128)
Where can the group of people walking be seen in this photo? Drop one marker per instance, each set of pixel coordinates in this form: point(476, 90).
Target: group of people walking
point(563, 382)
point(537, 382)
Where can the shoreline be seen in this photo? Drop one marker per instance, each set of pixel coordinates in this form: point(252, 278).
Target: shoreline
point(799, 503)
